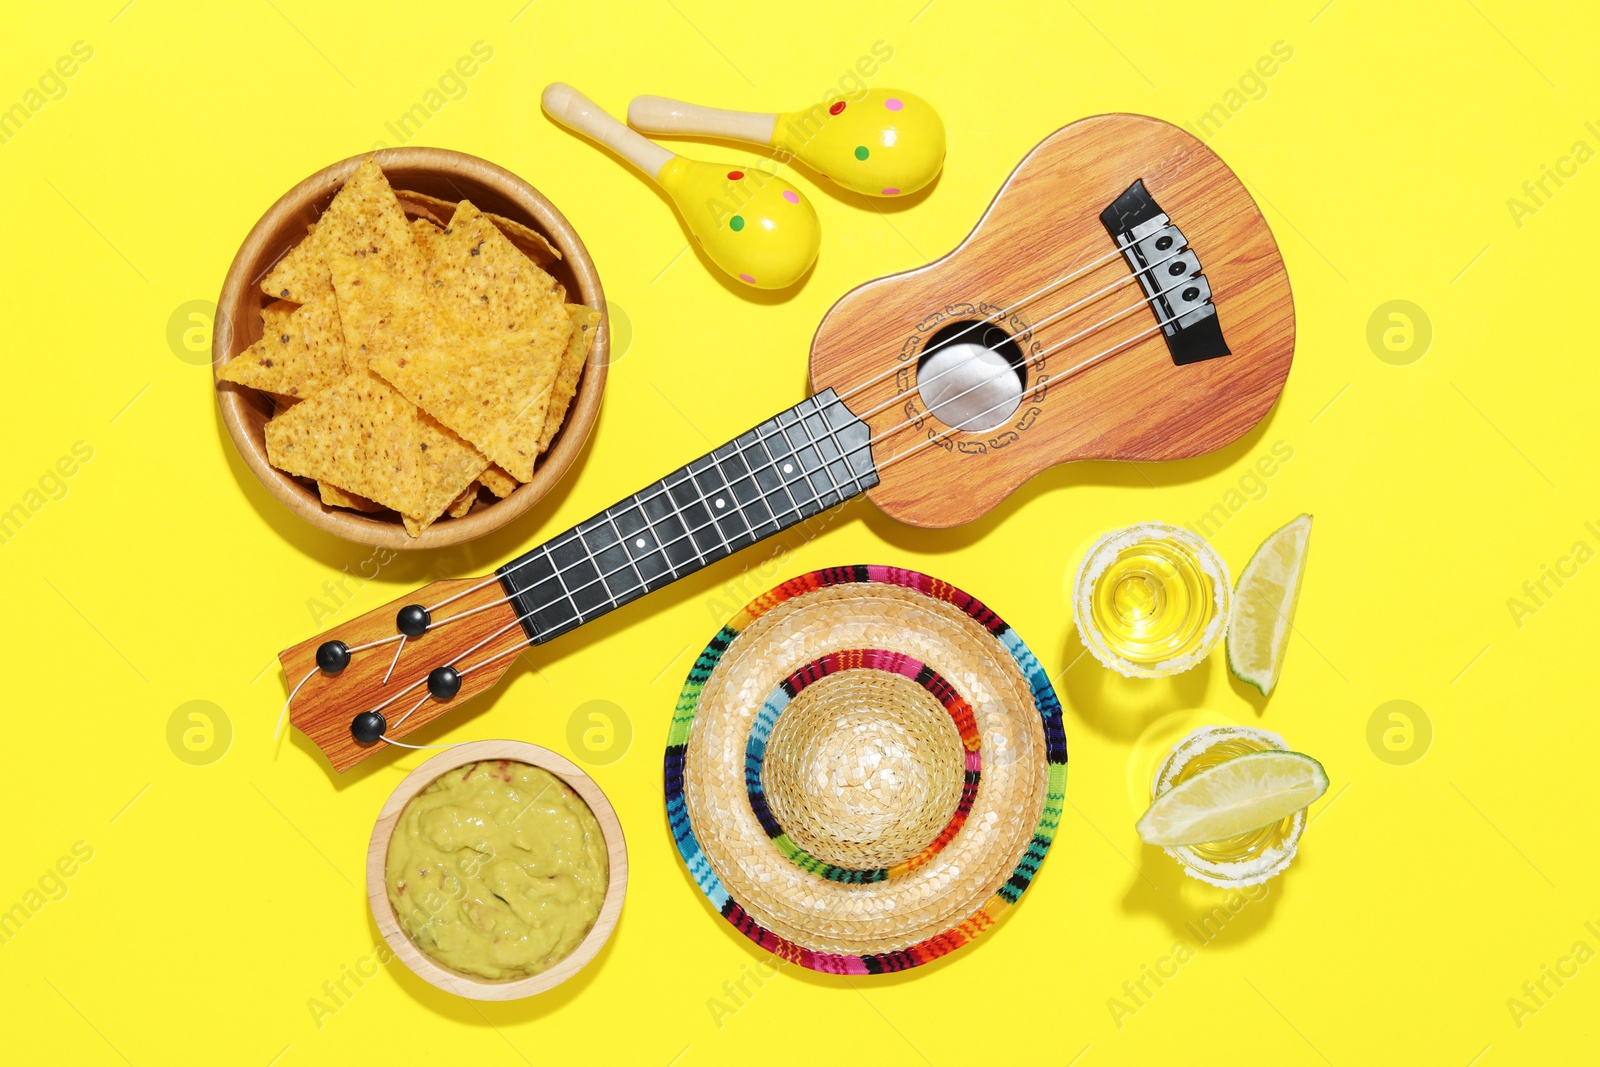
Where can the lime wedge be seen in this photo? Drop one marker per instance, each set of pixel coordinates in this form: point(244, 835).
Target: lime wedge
point(1236, 796)
point(1263, 605)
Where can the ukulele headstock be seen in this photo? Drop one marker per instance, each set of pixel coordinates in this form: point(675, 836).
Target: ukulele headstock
point(1047, 337)
point(466, 626)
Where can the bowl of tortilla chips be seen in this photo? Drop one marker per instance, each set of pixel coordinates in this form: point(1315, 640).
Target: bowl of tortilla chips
point(410, 348)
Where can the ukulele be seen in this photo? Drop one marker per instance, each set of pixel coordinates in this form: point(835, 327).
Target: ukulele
point(1122, 298)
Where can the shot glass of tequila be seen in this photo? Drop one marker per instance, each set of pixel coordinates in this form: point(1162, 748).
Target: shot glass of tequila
point(1246, 859)
point(1151, 600)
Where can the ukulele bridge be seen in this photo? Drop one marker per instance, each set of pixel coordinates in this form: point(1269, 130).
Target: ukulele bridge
point(1169, 272)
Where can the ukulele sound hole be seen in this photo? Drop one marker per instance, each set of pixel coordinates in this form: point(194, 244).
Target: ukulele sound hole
point(971, 375)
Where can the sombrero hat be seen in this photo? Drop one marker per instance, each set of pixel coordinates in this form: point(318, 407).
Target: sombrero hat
point(865, 769)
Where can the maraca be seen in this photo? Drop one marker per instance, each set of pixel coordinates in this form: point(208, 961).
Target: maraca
point(887, 143)
point(754, 225)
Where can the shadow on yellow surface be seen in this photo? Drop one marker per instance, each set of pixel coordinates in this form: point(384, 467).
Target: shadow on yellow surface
point(1201, 915)
point(1124, 708)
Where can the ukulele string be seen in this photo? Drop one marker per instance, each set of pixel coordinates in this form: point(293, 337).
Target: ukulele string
point(1032, 329)
point(316, 670)
point(525, 644)
point(1000, 374)
point(414, 748)
point(1102, 324)
point(401, 648)
point(1145, 302)
point(1070, 372)
point(293, 693)
point(1002, 313)
point(932, 378)
point(1081, 303)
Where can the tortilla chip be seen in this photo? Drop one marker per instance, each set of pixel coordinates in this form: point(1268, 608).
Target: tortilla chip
point(274, 315)
point(364, 217)
point(529, 242)
point(446, 465)
point(381, 308)
point(464, 502)
point(421, 205)
point(432, 208)
point(335, 497)
point(358, 434)
point(489, 371)
point(303, 355)
point(420, 349)
point(585, 320)
point(497, 481)
point(425, 234)
point(479, 275)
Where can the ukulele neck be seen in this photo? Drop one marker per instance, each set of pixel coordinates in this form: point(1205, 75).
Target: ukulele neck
point(782, 472)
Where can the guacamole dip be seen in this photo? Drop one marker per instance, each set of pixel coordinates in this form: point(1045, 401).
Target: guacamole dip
point(497, 869)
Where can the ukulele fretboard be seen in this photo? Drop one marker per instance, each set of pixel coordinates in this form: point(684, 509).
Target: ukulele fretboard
point(789, 468)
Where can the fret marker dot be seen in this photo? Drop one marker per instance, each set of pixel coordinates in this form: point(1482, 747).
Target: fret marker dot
point(721, 503)
point(639, 543)
point(788, 468)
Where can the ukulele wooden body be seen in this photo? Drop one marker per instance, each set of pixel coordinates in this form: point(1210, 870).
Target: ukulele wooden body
point(1042, 224)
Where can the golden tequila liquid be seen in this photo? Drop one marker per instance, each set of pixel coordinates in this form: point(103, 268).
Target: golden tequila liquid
point(1243, 859)
point(1151, 600)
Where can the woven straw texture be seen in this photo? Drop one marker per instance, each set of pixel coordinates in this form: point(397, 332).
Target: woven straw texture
point(865, 769)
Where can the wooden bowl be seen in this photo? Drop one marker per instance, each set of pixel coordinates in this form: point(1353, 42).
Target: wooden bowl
point(451, 176)
point(469, 985)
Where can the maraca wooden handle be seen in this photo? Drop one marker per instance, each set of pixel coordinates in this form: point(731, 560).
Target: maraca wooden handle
point(571, 108)
point(660, 114)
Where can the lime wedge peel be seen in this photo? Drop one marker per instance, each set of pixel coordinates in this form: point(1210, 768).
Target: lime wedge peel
point(1236, 796)
point(1264, 603)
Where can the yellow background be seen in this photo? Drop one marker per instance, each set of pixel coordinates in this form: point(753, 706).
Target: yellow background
point(221, 897)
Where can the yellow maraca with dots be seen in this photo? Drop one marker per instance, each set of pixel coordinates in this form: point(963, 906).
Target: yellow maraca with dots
point(886, 143)
point(754, 225)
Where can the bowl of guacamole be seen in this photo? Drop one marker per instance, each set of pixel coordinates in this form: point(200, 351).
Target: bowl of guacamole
point(497, 870)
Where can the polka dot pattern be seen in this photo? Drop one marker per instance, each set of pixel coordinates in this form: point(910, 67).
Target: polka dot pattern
point(736, 223)
point(791, 196)
point(894, 103)
point(837, 107)
point(861, 151)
